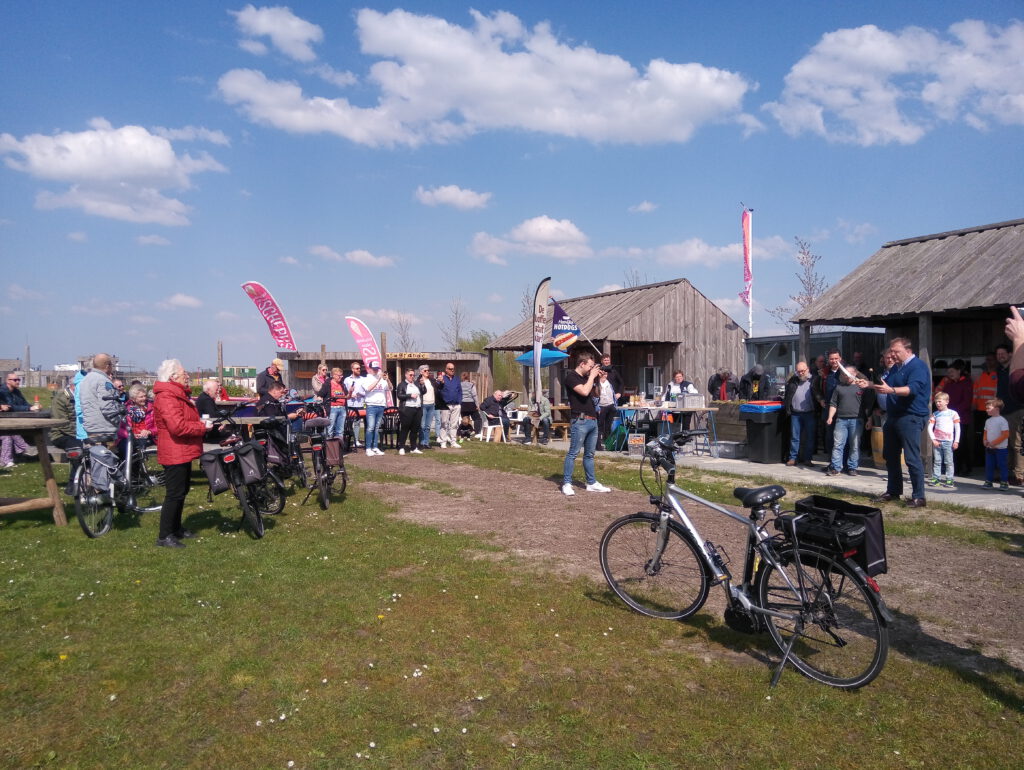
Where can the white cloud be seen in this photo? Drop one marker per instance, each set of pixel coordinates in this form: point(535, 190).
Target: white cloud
point(494, 259)
point(439, 81)
point(356, 257)
point(255, 47)
point(16, 291)
point(732, 306)
point(494, 299)
point(335, 77)
point(118, 173)
point(385, 314)
point(288, 33)
point(78, 236)
point(225, 315)
point(193, 134)
point(543, 235)
point(868, 86)
point(6, 310)
point(179, 300)
point(152, 240)
point(452, 195)
point(695, 251)
point(289, 261)
point(856, 233)
point(143, 319)
point(644, 207)
point(609, 287)
point(104, 307)
point(558, 294)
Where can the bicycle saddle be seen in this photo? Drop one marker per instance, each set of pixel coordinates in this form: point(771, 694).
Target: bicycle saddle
point(758, 496)
point(316, 422)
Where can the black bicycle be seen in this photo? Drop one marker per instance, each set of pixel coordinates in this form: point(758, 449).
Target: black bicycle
point(803, 585)
point(102, 481)
point(328, 460)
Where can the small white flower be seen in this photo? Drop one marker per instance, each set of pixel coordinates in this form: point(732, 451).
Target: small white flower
point(437, 729)
point(323, 681)
point(373, 745)
point(113, 696)
point(291, 763)
point(259, 723)
point(463, 730)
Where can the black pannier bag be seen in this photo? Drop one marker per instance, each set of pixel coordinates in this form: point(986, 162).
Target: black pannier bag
point(214, 470)
point(871, 553)
point(277, 441)
point(333, 450)
point(252, 459)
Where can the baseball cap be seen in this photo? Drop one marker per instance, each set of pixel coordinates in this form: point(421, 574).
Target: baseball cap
point(374, 364)
point(278, 363)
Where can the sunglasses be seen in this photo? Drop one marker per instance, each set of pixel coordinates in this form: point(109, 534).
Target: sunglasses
point(14, 379)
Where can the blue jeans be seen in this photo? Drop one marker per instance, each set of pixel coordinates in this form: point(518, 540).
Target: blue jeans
point(583, 433)
point(997, 458)
point(336, 426)
point(846, 432)
point(373, 415)
point(801, 441)
point(429, 410)
point(943, 453)
point(904, 432)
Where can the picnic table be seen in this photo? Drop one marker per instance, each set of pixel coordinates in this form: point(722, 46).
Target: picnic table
point(34, 430)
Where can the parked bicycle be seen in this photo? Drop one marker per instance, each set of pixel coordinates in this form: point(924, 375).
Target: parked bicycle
point(820, 607)
point(102, 481)
point(328, 459)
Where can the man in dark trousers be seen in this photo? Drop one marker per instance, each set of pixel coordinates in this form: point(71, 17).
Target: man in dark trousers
point(908, 390)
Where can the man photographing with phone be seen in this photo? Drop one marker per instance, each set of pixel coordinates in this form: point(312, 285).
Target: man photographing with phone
point(579, 383)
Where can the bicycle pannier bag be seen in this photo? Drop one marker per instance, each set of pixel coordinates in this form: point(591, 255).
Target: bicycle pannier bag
point(103, 465)
point(332, 448)
point(214, 470)
point(273, 452)
point(253, 461)
point(871, 553)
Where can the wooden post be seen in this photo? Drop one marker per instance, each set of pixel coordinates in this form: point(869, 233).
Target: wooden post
point(805, 344)
point(924, 352)
point(220, 362)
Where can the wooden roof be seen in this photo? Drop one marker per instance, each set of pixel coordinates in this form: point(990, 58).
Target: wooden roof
point(651, 313)
point(945, 273)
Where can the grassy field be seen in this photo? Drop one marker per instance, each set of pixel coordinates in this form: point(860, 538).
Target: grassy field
point(349, 638)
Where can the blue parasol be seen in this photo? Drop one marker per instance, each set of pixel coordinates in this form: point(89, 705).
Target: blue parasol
point(547, 357)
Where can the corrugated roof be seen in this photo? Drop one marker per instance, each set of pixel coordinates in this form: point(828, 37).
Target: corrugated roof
point(973, 268)
point(607, 316)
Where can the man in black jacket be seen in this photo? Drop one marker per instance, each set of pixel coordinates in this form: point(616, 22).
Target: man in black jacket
point(12, 400)
point(799, 403)
point(269, 376)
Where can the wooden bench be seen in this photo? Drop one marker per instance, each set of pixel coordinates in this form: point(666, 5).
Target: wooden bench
point(560, 426)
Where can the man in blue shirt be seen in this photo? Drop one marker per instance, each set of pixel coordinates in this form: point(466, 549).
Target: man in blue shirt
point(908, 389)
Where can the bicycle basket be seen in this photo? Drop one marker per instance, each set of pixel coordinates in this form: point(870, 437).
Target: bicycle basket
point(871, 554)
point(333, 450)
point(212, 466)
point(103, 466)
point(252, 459)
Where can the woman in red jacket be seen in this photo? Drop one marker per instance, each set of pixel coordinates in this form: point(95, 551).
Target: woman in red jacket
point(179, 441)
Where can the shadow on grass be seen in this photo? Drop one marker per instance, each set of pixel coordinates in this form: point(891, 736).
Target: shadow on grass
point(1012, 542)
point(907, 637)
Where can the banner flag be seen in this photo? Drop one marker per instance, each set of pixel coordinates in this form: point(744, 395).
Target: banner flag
point(272, 314)
point(564, 331)
point(540, 309)
point(748, 272)
point(367, 347)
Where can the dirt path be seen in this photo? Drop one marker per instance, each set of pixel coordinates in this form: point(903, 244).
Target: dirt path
point(954, 604)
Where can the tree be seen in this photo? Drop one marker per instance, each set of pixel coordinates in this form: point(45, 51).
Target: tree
point(632, 278)
point(526, 302)
point(403, 328)
point(812, 286)
point(458, 318)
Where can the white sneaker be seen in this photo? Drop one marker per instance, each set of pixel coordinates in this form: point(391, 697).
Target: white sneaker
point(416, 452)
point(378, 451)
point(9, 465)
point(567, 490)
point(597, 486)
point(401, 451)
point(358, 445)
point(479, 436)
point(370, 453)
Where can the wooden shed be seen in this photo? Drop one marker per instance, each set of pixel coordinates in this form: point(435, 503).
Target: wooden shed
point(949, 292)
point(649, 331)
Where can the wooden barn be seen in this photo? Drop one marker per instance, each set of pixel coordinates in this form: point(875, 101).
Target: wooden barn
point(649, 331)
point(949, 292)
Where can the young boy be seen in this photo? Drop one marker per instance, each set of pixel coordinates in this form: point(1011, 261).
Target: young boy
point(996, 438)
point(944, 431)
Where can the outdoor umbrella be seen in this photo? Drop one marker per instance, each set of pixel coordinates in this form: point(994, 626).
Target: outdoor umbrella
point(547, 357)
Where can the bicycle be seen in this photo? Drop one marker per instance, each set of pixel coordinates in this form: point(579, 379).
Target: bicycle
point(134, 483)
point(283, 449)
point(328, 478)
point(821, 609)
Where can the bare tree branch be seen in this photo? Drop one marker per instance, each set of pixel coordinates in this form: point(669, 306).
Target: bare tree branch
point(812, 286)
point(453, 331)
point(526, 303)
point(403, 328)
point(631, 278)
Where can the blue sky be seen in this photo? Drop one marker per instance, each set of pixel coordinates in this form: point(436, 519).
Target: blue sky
point(384, 160)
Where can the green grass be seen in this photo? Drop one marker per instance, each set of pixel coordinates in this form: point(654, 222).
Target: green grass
point(359, 629)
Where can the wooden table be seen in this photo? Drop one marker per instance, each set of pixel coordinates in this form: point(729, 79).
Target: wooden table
point(34, 429)
point(705, 418)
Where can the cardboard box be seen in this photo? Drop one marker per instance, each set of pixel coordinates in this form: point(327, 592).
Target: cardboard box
point(637, 443)
point(693, 401)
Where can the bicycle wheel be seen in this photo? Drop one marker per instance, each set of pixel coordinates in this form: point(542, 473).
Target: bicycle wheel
point(267, 496)
point(674, 585)
point(251, 515)
point(840, 637)
point(147, 482)
point(321, 471)
point(299, 464)
point(94, 509)
point(338, 480)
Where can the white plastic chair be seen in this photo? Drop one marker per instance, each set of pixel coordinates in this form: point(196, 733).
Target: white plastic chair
point(488, 430)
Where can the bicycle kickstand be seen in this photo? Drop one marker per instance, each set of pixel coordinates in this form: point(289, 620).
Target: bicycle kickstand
point(785, 655)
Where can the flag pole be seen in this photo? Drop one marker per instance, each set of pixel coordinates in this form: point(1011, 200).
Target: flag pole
point(750, 304)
